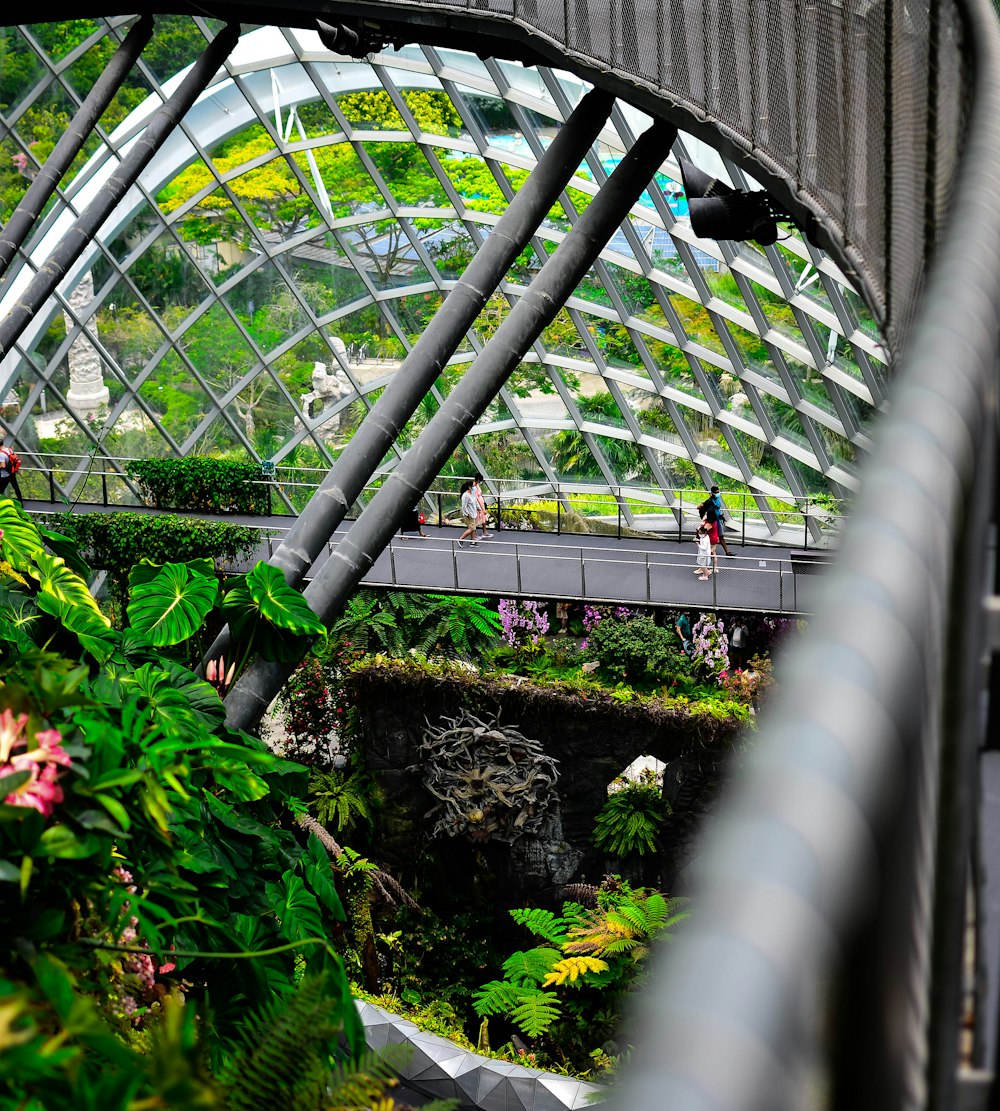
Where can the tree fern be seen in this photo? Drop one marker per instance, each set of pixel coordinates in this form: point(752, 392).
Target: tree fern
point(572, 969)
point(498, 997)
point(537, 1012)
point(542, 923)
point(532, 966)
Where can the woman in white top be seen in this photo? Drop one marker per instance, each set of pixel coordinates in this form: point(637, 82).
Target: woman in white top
point(470, 511)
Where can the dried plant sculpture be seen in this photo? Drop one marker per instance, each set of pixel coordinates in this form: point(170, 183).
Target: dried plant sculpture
point(490, 781)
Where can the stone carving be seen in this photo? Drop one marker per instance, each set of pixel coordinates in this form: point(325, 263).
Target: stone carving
point(328, 386)
point(491, 782)
point(87, 390)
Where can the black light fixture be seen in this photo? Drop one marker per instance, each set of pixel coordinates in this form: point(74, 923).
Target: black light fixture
point(358, 38)
point(718, 211)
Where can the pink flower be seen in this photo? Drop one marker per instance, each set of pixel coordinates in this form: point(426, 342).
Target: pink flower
point(41, 791)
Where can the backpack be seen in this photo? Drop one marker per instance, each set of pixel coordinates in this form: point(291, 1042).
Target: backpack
point(12, 462)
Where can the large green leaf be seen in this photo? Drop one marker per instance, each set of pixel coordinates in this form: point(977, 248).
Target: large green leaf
point(279, 603)
point(59, 582)
point(253, 631)
point(90, 628)
point(20, 541)
point(146, 570)
point(171, 706)
point(203, 697)
point(66, 548)
point(172, 605)
point(296, 907)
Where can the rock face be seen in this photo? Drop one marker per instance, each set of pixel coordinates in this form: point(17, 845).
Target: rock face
point(592, 740)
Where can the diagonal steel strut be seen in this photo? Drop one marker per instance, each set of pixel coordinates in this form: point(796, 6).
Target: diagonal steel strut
point(356, 464)
point(23, 218)
point(87, 224)
point(464, 405)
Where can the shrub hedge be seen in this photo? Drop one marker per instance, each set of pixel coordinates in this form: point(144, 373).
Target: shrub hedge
point(201, 483)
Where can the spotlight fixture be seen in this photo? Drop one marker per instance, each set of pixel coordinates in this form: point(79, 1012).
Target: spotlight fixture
point(718, 211)
point(358, 39)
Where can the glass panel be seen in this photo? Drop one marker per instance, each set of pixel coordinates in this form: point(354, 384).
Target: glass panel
point(20, 68)
point(696, 322)
point(371, 110)
point(434, 112)
point(407, 174)
point(507, 455)
point(324, 275)
point(174, 397)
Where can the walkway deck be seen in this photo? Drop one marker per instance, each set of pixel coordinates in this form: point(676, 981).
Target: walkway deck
point(545, 565)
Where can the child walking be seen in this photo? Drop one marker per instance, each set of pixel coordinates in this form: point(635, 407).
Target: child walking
point(703, 539)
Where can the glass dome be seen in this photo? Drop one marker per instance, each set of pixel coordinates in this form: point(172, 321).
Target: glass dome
point(288, 244)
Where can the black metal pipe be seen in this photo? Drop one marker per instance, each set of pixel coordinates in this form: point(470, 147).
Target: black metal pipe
point(86, 226)
point(71, 141)
point(420, 465)
point(440, 340)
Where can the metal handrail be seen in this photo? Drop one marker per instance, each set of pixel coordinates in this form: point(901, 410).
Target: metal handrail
point(786, 572)
point(511, 511)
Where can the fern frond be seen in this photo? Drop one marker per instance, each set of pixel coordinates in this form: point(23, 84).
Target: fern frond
point(629, 919)
point(282, 1057)
point(498, 997)
point(363, 1082)
point(537, 1013)
point(532, 965)
point(542, 923)
point(573, 968)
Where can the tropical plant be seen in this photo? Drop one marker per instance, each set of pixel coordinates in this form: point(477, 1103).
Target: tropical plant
point(396, 623)
point(340, 799)
point(710, 656)
point(116, 542)
point(148, 863)
point(633, 649)
point(568, 989)
point(629, 822)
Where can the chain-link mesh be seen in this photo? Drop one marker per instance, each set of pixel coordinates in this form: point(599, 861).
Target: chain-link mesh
point(858, 107)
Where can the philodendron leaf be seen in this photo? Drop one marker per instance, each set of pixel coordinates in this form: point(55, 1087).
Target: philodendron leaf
point(145, 571)
point(172, 605)
point(90, 628)
point(64, 585)
point(279, 603)
point(20, 541)
point(66, 548)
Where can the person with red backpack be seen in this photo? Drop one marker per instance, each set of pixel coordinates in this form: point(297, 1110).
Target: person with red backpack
point(10, 464)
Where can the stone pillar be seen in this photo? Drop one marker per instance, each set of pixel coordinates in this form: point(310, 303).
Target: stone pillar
point(87, 390)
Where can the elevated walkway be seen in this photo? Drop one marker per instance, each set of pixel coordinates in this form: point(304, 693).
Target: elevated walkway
point(545, 565)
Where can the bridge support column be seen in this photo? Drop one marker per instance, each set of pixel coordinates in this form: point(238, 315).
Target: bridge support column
point(440, 340)
point(524, 324)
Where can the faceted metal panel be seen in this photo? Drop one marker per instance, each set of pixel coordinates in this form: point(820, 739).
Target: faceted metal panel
point(439, 1068)
point(287, 246)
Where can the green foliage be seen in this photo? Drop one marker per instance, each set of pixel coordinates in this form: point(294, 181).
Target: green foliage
point(341, 799)
point(147, 862)
point(201, 483)
point(395, 622)
point(629, 822)
point(570, 992)
point(116, 542)
point(172, 605)
point(634, 649)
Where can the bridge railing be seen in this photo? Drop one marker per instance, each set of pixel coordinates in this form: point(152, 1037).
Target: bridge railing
point(657, 576)
point(573, 508)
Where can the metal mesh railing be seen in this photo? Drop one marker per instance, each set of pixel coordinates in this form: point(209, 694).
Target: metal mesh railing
point(854, 111)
